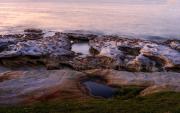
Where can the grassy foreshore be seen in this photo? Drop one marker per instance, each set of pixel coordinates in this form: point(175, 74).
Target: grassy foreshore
point(126, 101)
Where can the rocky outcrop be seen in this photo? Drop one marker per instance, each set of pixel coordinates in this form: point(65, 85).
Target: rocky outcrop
point(53, 49)
point(33, 34)
point(17, 87)
point(174, 44)
point(138, 55)
point(152, 82)
point(111, 58)
point(79, 35)
point(92, 62)
point(17, 50)
point(25, 87)
point(168, 57)
point(57, 45)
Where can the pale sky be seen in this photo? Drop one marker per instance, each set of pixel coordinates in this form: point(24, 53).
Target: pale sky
point(138, 1)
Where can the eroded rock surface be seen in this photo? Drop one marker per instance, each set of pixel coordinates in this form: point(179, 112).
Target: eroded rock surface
point(152, 82)
point(138, 55)
point(24, 87)
point(106, 52)
point(111, 57)
point(17, 87)
point(175, 44)
point(168, 57)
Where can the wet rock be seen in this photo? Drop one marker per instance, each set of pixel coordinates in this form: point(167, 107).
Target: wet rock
point(121, 50)
point(49, 51)
point(7, 40)
point(159, 88)
point(32, 30)
point(79, 35)
point(106, 47)
point(24, 87)
point(142, 63)
point(33, 34)
point(174, 44)
point(9, 75)
point(130, 50)
point(92, 62)
point(160, 53)
point(152, 82)
point(95, 51)
point(21, 61)
point(57, 45)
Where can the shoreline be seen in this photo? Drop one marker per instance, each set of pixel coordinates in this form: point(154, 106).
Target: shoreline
point(36, 66)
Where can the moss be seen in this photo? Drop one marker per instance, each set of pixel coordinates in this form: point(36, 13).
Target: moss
point(126, 101)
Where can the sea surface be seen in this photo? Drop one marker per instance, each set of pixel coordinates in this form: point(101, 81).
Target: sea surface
point(142, 18)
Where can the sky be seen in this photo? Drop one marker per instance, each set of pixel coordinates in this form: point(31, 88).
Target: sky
point(138, 1)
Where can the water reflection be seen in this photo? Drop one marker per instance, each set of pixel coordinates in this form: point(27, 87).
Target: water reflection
point(134, 18)
point(81, 47)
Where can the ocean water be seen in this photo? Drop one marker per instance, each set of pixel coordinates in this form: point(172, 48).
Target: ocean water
point(143, 18)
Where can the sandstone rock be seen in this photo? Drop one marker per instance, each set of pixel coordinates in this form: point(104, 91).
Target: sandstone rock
point(175, 44)
point(24, 87)
point(57, 45)
point(112, 52)
point(153, 82)
point(92, 62)
point(159, 88)
point(142, 63)
point(31, 86)
point(160, 53)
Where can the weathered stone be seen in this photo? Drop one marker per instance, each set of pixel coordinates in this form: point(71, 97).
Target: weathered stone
point(79, 35)
point(142, 63)
point(26, 87)
point(175, 44)
point(152, 82)
point(57, 45)
point(92, 62)
point(32, 30)
point(105, 51)
point(160, 53)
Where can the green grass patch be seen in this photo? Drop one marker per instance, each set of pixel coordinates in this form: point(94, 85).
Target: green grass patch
point(126, 101)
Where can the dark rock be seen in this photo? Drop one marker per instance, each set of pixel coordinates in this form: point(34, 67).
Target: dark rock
point(92, 62)
point(57, 45)
point(38, 31)
point(33, 34)
point(81, 35)
point(164, 54)
point(152, 82)
point(174, 44)
point(142, 63)
point(106, 51)
point(129, 50)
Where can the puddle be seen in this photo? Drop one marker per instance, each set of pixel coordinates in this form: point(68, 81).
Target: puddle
point(81, 47)
point(49, 33)
point(98, 89)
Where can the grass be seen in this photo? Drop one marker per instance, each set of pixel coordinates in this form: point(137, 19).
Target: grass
point(126, 101)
